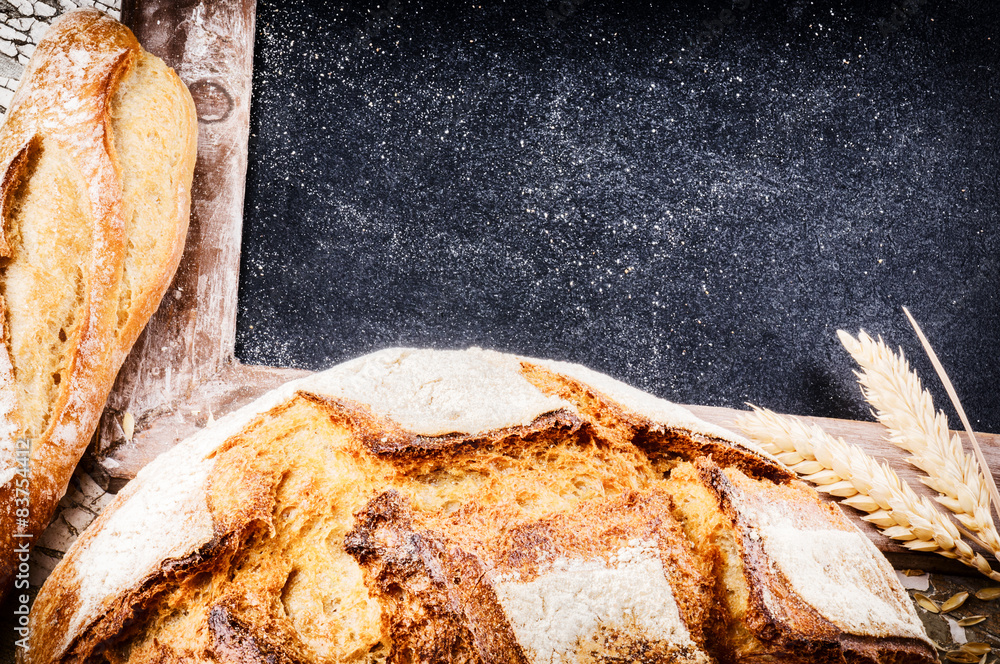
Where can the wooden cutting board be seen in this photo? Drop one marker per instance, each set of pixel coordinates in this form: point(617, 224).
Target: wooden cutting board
point(182, 373)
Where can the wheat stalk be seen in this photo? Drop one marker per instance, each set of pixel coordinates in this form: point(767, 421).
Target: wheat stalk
point(907, 411)
point(846, 471)
point(991, 485)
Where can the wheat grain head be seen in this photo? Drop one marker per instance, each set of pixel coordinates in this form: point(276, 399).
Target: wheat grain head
point(907, 410)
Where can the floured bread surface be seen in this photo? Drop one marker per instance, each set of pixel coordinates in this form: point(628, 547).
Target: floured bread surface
point(97, 157)
point(413, 506)
point(798, 580)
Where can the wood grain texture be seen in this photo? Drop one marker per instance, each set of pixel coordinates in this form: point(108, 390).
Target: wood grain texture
point(188, 345)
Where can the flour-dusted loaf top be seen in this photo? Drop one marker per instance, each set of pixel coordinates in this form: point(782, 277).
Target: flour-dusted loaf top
point(97, 157)
point(767, 538)
point(416, 505)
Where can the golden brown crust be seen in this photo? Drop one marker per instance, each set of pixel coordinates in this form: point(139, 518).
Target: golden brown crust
point(435, 577)
point(246, 497)
point(439, 610)
point(61, 109)
point(16, 165)
point(36, 115)
point(596, 529)
point(173, 223)
point(337, 535)
point(655, 439)
point(235, 641)
point(788, 628)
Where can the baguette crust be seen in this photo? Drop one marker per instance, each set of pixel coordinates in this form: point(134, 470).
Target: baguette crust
point(71, 221)
point(342, 517)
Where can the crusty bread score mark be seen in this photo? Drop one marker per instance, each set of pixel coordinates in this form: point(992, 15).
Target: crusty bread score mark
point(644, 430)
point(729, 518)
point(8, 401)
point(45, 280)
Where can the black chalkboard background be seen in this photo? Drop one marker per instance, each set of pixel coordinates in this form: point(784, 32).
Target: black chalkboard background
point(691, 197)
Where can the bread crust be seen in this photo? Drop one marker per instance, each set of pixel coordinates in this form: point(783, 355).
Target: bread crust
point(197, 559)
point(62, 107)
point(782, 623)
point(664, 432)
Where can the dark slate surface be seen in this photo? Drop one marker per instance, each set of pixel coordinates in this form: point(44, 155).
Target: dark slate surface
point(690, 198)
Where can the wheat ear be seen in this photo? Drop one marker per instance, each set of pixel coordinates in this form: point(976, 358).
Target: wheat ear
point(846, 471)
point(907, 411)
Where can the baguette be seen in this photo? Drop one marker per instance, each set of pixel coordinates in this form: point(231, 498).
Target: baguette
point(96, 157)
point(448, 506)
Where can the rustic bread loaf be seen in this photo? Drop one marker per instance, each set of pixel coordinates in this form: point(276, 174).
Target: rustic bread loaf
point(96, 158)
point(459, 506)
